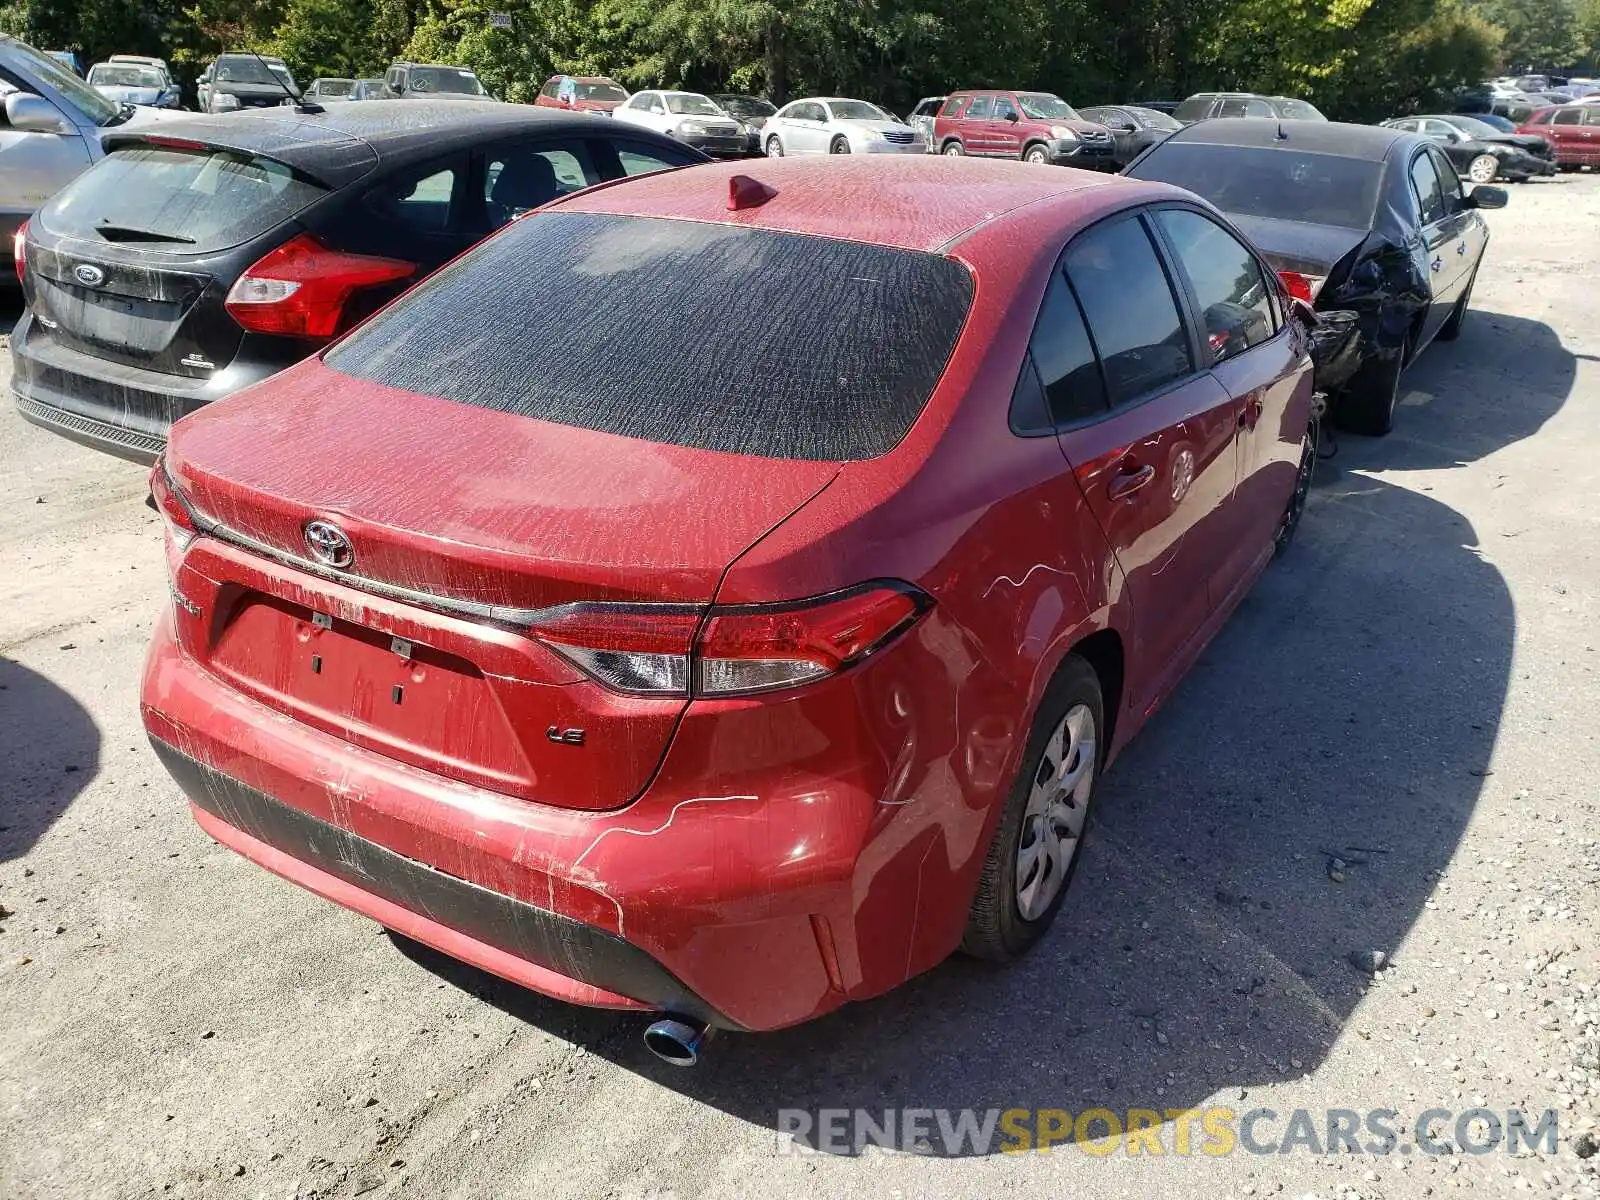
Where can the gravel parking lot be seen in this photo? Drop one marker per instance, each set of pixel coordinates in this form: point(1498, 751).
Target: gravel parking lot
point(1394, 746)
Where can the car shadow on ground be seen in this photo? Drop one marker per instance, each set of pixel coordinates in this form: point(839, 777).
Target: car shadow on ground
point(1348, 711)
point(53, 748)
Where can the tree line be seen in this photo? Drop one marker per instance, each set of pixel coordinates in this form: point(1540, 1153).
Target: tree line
point(1354, 59)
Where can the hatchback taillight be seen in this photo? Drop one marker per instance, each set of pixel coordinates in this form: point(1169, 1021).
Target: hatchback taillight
point(300, 289)
point(19, 250)
point(730, 650)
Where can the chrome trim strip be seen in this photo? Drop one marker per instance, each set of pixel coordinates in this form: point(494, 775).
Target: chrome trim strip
point(519, 620)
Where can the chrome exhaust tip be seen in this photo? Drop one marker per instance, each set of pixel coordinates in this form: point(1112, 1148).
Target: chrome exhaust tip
point(676, 1040)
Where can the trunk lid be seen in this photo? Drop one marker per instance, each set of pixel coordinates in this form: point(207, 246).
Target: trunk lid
point(459, 519)
point(1299, 245)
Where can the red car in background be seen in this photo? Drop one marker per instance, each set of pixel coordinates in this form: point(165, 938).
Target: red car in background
point(585, 93)
point(1572, 129)
point(761, 666)
point(1036, 127)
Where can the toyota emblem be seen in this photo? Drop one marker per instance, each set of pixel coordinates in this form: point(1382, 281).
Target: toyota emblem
point(329, 545)
point(88, 274)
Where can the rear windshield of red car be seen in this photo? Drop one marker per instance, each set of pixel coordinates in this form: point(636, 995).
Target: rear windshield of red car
point(746, 341)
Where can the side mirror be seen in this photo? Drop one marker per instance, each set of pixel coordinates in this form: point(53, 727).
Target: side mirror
point(1484, 196)
point(1013, 116)
point(34, 114)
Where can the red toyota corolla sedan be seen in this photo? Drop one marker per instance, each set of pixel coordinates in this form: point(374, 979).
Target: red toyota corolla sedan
point(717, 596)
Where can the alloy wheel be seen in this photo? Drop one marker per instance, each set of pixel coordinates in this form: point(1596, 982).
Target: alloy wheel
point(774, 148)
point(1483, 169)
point(1037, 155)
point(954, 150)
point(1058, 803)
point(839, 146)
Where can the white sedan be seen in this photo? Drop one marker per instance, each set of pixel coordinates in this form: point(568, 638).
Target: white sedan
point(690, 117)
point(831, 125)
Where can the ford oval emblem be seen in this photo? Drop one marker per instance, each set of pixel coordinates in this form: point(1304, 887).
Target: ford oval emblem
point(329, 545)
point(88, 274)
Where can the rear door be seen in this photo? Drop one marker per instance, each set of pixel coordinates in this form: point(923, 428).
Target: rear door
point(1566, 132)
point(1156, 463)
point(1004, 139)
point(1589, 134)
point(1254, 356)
point(975, 132)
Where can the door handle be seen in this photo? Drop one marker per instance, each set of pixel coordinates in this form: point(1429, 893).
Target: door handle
point(1126, 482)
point(1461, 247)
point(1250, 413)
point(1437, 264)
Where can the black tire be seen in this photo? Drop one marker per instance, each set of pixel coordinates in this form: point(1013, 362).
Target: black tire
point(1037, 154)
point(1369, 399)
point(996, 929)
point(774, 147)
point(839, 145)
point(953, 149)
point(1451, 329)
point(1295, 509)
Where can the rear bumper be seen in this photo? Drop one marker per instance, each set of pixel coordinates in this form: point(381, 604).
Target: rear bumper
point(533, 947)
point(750, 905)
point(118, 409)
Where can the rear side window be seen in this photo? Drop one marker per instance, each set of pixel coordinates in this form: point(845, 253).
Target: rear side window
point(1228, 286)
point(419, 202)
point(981, 106)
point(638, 160)
point(952, 106)
point(1425, 186)
point(1064, 357)
point(746, 341)
point(1130, 309)
point(196, 200)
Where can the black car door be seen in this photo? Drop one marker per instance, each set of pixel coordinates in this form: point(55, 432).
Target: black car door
point(1468, 232)
point(1434, 241)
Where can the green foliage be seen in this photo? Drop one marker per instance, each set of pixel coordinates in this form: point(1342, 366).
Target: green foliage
point(1355, 58)
point(1538, 34)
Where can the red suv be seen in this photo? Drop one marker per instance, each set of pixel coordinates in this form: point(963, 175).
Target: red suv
point(586, 93)
point(1033, 126)
point(759, 667)
point(1573, 130)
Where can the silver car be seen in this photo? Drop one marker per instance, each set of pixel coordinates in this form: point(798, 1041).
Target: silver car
point(135, 83)
point(923, 116)
point(835, 125)
point(51, 132)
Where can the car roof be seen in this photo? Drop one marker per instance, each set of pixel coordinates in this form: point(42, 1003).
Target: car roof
point(915, 202)
point(338, 145)
point(1319, 137)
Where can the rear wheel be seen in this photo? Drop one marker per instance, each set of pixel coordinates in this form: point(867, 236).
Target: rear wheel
point(953, 149)
point(1035, 851)
point(839, 145)
point(774, 147)
point(1368, 404)
point(1302, 488)
point(1451, 329)
point(1036, 154)
point(1483, 169)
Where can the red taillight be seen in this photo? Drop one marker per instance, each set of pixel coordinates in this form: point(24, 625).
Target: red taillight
point(168, 501)
point(733, 650)
point(19, 250)
point(1301, 287)
point(300, 288)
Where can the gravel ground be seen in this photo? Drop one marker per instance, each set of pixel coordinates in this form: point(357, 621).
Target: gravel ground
point(1412, 693)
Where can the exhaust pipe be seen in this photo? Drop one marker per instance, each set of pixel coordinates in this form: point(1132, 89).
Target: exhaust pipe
point(677, 1040)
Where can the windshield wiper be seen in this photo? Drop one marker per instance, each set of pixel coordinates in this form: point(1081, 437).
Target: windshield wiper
point(123, 112)
point(131, 233)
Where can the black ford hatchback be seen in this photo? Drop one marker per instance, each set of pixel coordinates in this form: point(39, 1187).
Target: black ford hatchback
point(204, 255)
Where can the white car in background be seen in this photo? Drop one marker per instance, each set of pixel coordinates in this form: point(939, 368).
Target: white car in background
point(835, 125)
point(691, 118)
